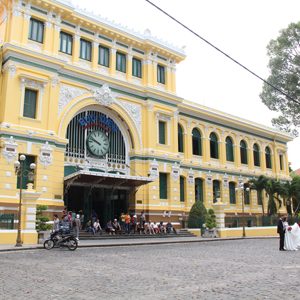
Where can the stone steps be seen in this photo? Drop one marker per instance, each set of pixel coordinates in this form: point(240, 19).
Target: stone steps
point(89, 236)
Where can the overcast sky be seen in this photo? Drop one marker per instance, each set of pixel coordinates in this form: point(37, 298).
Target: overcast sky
point(241, 28)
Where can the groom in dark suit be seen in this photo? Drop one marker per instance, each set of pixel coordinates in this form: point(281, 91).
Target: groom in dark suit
point(281, 232)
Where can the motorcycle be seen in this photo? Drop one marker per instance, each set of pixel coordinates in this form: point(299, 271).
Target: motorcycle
point(58, 239)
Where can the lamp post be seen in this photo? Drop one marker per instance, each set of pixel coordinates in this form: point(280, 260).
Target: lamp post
point(242, 189)
point(20, 172)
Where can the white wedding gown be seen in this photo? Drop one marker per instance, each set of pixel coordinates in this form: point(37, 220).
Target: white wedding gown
point(292, 238)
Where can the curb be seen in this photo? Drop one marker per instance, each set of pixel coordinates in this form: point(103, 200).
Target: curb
point(131, 243)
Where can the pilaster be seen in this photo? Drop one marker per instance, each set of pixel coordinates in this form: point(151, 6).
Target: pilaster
point(112, 61)
point(95, 55)
point(129, 66)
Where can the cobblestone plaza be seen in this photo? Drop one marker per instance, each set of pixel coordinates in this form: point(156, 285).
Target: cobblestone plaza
point(239, 269)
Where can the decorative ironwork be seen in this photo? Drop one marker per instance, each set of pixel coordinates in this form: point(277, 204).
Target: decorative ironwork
point(77, 152)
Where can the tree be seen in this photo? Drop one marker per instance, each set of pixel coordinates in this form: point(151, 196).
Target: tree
point(197, 215)
point(284, 64)
point(259, 185)
point(211, 219)
point(273, 189)
point(287, 195)
point(295, 187)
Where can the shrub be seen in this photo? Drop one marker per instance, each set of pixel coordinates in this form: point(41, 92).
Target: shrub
point(197, 215)
point(41, 221)
point(211, 219)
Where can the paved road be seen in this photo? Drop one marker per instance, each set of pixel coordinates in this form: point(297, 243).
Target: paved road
point(240, 269)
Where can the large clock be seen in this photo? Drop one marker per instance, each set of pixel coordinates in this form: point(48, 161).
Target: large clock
point(97, 143)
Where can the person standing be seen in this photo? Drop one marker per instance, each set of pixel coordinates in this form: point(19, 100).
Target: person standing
point(55, 223)
point(77, 226)
point(127, 223)
point(281, 231)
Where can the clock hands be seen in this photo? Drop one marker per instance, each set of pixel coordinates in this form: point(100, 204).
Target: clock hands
point(95, 141)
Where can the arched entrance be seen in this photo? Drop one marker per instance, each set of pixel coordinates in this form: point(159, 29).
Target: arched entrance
point(97, 166)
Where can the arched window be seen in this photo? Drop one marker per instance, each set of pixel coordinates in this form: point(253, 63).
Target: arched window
point(232, 197)
point(214, 146)
point(246, 196)
point(229, 149)
point(182, 189)
point(268, 158)
point(197, 147)
point(243, 149)
point(199, 189)
point(256, 155)
point(216, 190)
point(180, 139)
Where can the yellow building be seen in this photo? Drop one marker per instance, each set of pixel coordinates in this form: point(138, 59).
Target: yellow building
point(94, 106)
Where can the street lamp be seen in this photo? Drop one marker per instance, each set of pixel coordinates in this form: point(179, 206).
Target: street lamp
point(243, 189)
point(20, 172)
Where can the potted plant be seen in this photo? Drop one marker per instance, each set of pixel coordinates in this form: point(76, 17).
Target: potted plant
point(42, 227)
point(210, 224)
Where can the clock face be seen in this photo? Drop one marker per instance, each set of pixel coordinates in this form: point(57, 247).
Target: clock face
point(97, 143)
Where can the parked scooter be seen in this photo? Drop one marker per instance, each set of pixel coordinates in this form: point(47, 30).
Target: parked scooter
point(58, 239)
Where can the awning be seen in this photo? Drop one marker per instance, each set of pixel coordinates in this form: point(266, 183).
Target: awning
point(104, 180)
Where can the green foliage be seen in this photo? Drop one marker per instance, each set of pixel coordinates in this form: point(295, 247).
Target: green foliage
point(295, 187)
point(273, 189)
point(211, 219)
point(284, 66)
point(197, 215)
point(259, 185)
point(41, 221)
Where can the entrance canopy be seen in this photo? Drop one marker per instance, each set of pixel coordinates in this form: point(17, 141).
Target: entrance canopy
point(105, 180)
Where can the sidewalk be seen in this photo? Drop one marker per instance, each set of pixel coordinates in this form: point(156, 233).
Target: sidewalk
point(130, 242)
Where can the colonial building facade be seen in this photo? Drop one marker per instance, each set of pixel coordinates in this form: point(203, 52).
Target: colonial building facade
point(94, 106)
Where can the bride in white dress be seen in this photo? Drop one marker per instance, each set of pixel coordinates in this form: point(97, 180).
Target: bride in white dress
point(291, 237)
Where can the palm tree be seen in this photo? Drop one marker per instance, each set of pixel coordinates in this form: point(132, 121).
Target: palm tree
point(259, 185)
point(287, 194)
point(273, 189)
point(295, 187)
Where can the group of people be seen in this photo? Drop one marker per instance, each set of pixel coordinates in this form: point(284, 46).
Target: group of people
point(69, 221)
point(289, 235)
point(127, 224)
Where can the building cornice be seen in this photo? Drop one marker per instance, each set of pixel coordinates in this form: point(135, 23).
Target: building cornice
point(201, 112)
point(68, 10)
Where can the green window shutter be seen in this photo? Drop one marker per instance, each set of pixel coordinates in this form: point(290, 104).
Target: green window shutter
point(229, 149)
point(25, 171)
point(136, 68)
point(196, 142)
point(268, 158)
point(85, 50)
point(281, 161)
point(121, 62)
point(180, 139)
point(199, 189)
point(214, 146)
point(161, 74)
point(163, 186)
point(247, 197)
point(256, 155)
point(162, 132)
point(36, 30)
point(30, 103)
point(182, 189)
point(232, 195)
point(103, 56)
point(216, 190)
point(66, 43)
point(243, 150)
